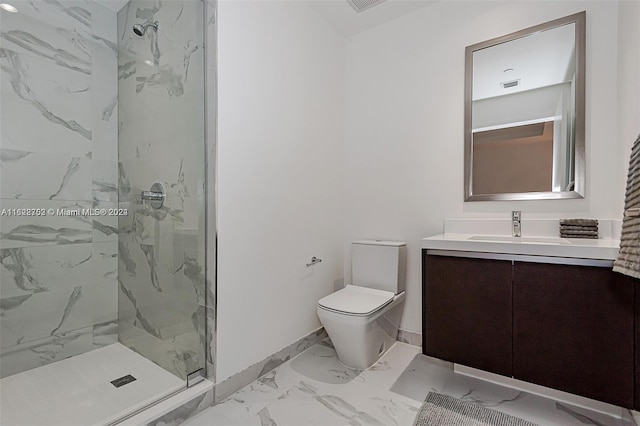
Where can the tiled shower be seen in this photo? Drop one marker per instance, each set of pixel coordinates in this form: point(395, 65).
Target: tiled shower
point(91, 115)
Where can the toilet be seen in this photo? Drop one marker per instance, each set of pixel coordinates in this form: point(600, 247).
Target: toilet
point(362, 319)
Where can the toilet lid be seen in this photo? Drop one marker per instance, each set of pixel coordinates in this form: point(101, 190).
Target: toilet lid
point(355, 300)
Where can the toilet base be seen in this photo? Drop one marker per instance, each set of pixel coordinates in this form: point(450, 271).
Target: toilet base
point(360, 341)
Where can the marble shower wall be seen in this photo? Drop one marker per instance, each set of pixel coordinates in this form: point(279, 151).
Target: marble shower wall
point(164, 300)
point(58, 150)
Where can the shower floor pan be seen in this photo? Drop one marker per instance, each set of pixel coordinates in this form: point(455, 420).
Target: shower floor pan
point(78, 390)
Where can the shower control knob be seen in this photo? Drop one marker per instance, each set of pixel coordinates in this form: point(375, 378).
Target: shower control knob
point(155, 197)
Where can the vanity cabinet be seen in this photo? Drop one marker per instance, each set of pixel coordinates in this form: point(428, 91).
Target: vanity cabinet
point(573, 330)
point(468, 312)
point(567, 327)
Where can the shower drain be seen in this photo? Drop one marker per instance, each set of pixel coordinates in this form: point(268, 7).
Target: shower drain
point(121, 381)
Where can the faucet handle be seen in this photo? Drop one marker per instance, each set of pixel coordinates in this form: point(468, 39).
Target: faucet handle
point(516, 227)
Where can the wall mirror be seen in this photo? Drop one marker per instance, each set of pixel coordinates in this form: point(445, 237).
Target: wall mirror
point(525, 114)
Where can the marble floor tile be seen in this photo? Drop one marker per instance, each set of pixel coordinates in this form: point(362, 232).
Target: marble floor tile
point(423, 375)
point(320, 363)
point(336, 410)
point(315, 389)
point(534, 408)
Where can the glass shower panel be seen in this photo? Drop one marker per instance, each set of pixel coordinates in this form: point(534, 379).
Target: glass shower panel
point(162, 291)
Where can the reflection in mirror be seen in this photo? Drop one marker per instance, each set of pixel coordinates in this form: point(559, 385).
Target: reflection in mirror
point(524, 114)
point(525, 153)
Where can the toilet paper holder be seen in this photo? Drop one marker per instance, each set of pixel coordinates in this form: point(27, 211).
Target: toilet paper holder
point(314, 260)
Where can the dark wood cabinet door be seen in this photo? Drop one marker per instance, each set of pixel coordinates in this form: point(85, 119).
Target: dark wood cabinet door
point(467, 317)
point(573, 330)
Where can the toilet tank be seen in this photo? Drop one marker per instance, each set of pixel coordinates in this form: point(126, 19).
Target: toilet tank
point(379, 264)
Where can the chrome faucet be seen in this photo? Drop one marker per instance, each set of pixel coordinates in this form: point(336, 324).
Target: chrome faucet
point(516, 226)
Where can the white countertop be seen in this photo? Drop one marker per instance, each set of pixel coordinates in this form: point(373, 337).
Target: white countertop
point(605, 249)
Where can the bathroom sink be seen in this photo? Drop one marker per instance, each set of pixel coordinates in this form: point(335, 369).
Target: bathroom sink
point(533, 240)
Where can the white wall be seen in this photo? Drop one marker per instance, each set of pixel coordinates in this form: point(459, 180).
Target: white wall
point(404, 124)
point(280, 162)
point(533, 104)
point(628, 72)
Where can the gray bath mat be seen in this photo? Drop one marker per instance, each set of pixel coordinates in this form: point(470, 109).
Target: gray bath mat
point(444, 410)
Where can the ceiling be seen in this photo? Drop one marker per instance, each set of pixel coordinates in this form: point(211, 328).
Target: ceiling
point(340, 14)
point(348, 22)
point(538, 60)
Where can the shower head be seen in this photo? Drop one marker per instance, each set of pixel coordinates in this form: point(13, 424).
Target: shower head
point(141, 29)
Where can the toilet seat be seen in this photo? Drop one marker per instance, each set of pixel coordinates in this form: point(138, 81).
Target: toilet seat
point(356, 301)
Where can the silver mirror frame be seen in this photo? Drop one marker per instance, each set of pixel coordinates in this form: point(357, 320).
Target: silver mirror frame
point(579, 19)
